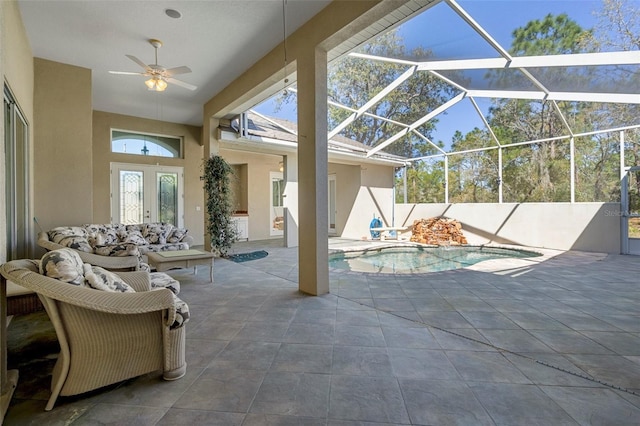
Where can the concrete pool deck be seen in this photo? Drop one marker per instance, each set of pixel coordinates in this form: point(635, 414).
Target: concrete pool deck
point(552, 340)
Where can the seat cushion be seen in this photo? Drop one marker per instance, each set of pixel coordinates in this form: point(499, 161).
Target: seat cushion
point(162, 280)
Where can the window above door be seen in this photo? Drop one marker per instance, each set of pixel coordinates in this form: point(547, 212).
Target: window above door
point(134, 143)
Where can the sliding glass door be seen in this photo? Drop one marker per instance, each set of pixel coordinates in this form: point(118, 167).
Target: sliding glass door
point(18, 212)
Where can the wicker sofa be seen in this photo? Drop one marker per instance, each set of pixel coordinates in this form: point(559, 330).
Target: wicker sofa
point(116, 246)
point(105, 336)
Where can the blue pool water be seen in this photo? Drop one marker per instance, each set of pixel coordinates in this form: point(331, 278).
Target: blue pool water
point(411, 260)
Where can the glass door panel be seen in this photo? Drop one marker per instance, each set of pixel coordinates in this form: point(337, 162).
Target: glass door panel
point(17, 187)
point(277, 204)
point(332, 204)
point(131, 197)
point(167, 197)
point(142, 194)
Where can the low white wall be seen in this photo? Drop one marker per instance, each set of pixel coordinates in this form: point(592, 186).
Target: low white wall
point(564, 226)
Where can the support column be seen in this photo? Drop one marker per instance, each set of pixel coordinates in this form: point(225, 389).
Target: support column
point(313, 256)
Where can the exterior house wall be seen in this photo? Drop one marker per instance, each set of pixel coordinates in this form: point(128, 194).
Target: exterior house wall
point(374, 197)
point(16, 66)
point(591, 227)
point(258, 187)
point(103, 122)
point(62, 187)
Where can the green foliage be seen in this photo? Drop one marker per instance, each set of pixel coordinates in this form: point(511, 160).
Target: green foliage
point(552, 35)
point(353, 81)
point(217, 187)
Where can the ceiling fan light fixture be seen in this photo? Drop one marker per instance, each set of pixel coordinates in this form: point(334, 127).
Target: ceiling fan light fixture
point(160, 85)
point(156, 83)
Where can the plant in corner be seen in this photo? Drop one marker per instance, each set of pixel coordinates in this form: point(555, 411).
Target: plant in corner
point(217, 188)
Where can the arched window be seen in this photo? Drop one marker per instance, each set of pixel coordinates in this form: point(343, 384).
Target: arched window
point(126, 142)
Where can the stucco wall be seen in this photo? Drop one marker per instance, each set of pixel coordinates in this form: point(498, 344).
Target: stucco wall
point(62, 144)
point(374, 197)
point(16, 66)
point(564, 226)
point(258, 188)
point(103, 122)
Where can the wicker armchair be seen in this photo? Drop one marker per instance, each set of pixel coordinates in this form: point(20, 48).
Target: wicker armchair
point(105, 337)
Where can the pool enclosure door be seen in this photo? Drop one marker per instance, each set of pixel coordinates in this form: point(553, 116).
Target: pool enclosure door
point(630, 211)
point(145, 193)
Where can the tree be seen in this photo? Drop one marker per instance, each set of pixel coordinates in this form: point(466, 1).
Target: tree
point(540, 171)
point(618, 28)
point(354, 81)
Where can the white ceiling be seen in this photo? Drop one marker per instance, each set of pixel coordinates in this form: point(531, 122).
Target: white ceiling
point(217, 39)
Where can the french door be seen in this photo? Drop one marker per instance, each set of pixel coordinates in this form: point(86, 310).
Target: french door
point(144, 193)
point(276, 216)
point(18, 212)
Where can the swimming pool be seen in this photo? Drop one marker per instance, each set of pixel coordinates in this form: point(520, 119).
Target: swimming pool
point(415, 259)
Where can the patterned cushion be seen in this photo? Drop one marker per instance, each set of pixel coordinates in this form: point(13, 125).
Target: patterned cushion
point(182, 313)
point(156, 233)
point(77, 243)
point(57, 234)
point(163, 247)
point(101, 279)
point(162, 280)
point(106, 233)
point(133, 237)
point(177, 234)
point(118, 250)
point(63, 264)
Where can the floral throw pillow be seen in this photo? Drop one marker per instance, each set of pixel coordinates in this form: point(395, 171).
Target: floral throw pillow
point(100, 279)
point(177, 235)
point(156, 233)
point(134, 237)
point(63, 264)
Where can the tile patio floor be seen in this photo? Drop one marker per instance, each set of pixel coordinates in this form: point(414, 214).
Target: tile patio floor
point(544, 341)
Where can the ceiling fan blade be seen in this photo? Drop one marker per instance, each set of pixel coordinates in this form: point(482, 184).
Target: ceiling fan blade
point(177, 70)
point(182, 84)
point(127, 73)
point(138, 61)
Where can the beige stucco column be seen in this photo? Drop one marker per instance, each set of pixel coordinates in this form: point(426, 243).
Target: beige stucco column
point(291, 216)
point(312, 172)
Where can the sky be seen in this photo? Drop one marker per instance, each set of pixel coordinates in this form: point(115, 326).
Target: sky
point(445, 33)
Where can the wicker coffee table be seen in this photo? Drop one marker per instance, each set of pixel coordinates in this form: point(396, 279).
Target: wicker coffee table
point(165, 260)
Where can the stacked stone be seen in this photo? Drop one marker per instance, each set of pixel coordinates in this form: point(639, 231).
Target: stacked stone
point(437, 231)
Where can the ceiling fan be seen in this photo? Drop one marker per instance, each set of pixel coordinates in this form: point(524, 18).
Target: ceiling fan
point(159, 75)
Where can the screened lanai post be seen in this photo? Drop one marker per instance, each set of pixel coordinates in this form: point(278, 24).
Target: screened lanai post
point(313, 235)
point(404, 182)
point(446, 179)
point(622, 172)
point(500, 175)
point(572, 168)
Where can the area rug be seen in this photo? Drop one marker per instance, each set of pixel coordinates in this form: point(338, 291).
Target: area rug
point(245, 257)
